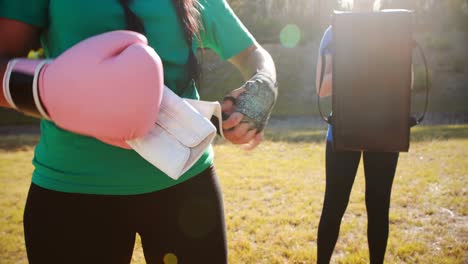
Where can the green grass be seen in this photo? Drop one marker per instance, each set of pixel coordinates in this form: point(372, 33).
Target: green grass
point(273, 197)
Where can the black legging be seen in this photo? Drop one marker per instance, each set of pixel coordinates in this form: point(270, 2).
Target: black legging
point(341, 167)
point(185, 222)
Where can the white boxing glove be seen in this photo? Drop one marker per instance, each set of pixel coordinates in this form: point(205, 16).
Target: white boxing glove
point(180, 135)
point(210, 110)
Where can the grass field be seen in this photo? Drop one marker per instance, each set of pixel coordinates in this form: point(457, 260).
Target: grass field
point(273, 197)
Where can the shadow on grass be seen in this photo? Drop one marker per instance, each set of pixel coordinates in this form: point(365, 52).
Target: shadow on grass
point(418, 134)
point(445, 132)
point(296, 135)
point(10, 117)
point(18, 142)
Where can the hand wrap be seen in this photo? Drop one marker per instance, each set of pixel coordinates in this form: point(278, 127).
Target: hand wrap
point(257, 101)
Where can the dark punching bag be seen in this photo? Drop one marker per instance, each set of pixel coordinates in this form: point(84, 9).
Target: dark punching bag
point(372, 79)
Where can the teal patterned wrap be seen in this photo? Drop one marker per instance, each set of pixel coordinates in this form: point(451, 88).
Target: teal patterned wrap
point(258, 100)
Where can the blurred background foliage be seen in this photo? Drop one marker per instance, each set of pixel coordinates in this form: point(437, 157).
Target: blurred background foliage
point(291, 31)
point(266, 18)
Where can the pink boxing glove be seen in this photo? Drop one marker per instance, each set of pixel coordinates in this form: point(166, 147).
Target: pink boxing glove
point(108, 86)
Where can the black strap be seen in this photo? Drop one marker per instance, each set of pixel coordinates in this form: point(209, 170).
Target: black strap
point(21, 91)
point(215, 121)
point(415, 121)
point(133, 22)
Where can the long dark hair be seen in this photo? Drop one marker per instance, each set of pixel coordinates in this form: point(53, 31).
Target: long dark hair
point(189, 18)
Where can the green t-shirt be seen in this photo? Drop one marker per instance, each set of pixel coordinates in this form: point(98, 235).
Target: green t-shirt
point(69, 162)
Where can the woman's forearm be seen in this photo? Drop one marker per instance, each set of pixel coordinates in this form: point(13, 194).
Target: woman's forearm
point(252, 60)
point(260, 60)
point(326, 88)
point(17, 39)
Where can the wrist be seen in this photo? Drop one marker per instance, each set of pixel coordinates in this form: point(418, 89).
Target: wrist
point(20, 87)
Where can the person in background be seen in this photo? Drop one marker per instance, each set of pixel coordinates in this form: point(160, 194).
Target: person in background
point(341, 168)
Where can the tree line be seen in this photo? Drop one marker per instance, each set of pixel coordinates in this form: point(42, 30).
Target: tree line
point(266, 18)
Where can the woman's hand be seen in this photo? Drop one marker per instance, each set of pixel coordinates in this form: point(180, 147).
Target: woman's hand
point(235, 129)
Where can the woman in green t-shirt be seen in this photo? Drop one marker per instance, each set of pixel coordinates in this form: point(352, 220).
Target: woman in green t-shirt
point(88, 199)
